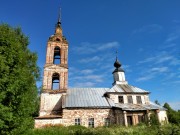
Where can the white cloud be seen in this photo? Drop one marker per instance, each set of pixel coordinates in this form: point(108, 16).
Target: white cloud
point(171, 37)
point(89, 48)
point(84, 84)
point(144, 78)
point(168, 46)
point(87, 71)
point(161, 57)
point(152, 28)
point(108, 45)
point(96, 78)
point(159, 69)
point(92, 59)
point(88, 78)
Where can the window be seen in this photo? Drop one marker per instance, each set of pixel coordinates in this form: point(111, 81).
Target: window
point(57, 55)
point(55, 81)
point(77, 121)
point(141, 118)
point(120, 98)
point(130, 99)
point(138, 98)
point(91, 122)
point(106, 122)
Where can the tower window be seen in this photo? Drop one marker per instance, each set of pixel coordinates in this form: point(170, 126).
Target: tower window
point(130, 99)
point(55, 81)
point(57, 55)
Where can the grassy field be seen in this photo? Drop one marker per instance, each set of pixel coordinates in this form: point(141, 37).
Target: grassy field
point(113, 130)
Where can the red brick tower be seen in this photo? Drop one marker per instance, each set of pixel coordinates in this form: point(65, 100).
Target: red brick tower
point(55, 77)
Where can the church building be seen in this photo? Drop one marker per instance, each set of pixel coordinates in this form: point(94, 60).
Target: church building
point(122, 104)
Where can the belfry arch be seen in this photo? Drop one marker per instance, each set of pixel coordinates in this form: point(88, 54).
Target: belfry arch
point(57, 55)
point(55, 81)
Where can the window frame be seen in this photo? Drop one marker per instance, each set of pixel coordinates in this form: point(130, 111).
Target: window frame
point(120, 100)
point(130, 99)
point(77, 121)
point(138, 99)
point(91, 122)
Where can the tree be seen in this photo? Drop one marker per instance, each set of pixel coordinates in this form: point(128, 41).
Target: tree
point(18, 76)
point(173, 116)
point(157, 102)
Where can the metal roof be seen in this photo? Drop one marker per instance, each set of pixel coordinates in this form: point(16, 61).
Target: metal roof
point(94, 98)
point(86, 97)
point(136, 107)
point(126, 88)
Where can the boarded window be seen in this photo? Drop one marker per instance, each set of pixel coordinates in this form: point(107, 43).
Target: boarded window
point(55, 81)
point(141, 118)
point(91, 122)
point(129, 120)
point(77, 121)
point(138, 98)
point(130, 99)
point(57, 55)
point(106, 122)
point(120, 98)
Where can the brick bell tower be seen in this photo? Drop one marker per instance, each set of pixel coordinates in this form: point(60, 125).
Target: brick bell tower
point(56, 68)
point(55, 79)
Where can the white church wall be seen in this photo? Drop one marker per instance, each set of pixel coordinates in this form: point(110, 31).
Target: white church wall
point(162, 116)
point(39, 123)
point(49, 103)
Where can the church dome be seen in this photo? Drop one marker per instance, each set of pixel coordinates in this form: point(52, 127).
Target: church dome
point(117, 64)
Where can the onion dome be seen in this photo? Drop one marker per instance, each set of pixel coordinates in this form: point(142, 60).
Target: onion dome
point(117, 64)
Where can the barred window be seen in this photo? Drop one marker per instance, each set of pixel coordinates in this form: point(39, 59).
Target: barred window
point(106, 122)
point(138, 98)
point(91, 122)
point(130, 99)
point(120, 98)
point(77, 121)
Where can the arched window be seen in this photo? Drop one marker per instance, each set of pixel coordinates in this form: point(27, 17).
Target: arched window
point(55, 81)
point(57, 55)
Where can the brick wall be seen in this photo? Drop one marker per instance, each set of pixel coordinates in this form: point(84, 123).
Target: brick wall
point(69, 116)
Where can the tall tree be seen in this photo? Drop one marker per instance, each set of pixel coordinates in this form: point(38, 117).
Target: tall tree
point(173, 116)
point(157, 102)
point(18, 75)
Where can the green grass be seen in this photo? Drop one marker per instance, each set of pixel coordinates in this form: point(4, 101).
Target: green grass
point(113, 130)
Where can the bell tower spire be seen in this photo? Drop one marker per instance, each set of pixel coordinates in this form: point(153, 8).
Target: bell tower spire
point(118, 73)
point(56, 68)
point(58, 29)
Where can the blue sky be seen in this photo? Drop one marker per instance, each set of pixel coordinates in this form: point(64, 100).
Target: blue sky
point(146, 34)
